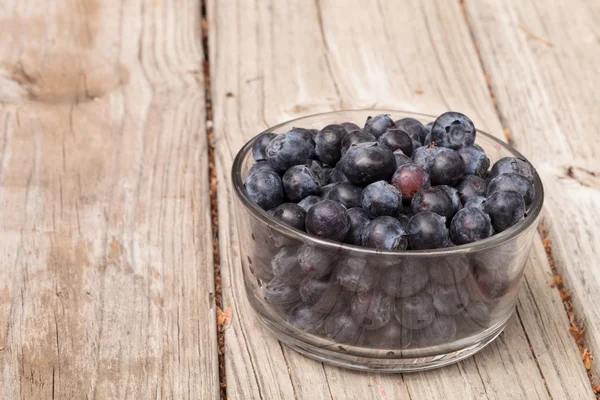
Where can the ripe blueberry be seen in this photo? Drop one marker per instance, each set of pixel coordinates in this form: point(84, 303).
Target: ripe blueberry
point(385, 233)
point(380, 199)
point(470, 225)
point(265, 189)
point(453, 130)
point(368, 162)
point(328, 220)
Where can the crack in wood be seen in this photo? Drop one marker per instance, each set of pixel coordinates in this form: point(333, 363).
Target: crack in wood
point(576, 329)
point(583, 176)
point(214, 207)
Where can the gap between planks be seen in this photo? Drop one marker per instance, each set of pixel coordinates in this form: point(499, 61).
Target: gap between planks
point(577, 333)
point(221, 315)
point(575, 323)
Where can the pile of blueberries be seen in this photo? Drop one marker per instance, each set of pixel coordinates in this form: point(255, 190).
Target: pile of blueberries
point(393, 185)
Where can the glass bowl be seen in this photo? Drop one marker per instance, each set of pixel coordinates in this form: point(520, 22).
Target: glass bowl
point(418, 309)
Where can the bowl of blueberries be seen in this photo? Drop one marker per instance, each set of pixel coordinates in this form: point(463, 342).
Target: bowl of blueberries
point(395, 246)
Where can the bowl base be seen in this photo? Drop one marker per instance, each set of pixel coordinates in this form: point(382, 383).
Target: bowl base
point(384, 364)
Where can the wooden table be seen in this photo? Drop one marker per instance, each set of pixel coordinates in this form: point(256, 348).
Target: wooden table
point(119, 120)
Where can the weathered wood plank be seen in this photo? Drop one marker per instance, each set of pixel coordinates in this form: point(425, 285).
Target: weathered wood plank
point(272, 61)
point(535, 312)
point(105, 255)
point(543, 67)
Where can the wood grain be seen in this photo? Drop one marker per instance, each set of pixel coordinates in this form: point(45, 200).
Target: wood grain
point(273, 61)
point(542, 63)
point(105, 255)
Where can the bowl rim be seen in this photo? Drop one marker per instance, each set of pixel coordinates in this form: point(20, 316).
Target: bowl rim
point(493, 241)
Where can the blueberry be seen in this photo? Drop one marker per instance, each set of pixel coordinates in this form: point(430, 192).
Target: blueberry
point(368, 162)
point(315, 262)
point(335, 300)
point(307, 202)
point(342, 328)
point(305, 319)
point(413, 128)
point(416, 145)
point(299, 182)
point(415, 312)
point(260, 144)
point(433, 199)
point(307, 134)
point(476, 315)
point(453, 130)
point(286, 267)
point(350, 126)
point(471, 186)
point(276, 240)
point(326, 171)
point(290, 214)
point(328, 220)
point(505, 209)
point(391, 336)
point(422, 155)
point(470, 225)
point(428, 127)
point(326, 189)
point(488, 284)
point(454, 197)
point(445, 166)
point(409, 179)
point(261, 166)
point(508, 165)
point(401, 158)
point(449, 299)
point(323, 295)
point(328, 143)
point(336, 176)
point(358, 223)
point(261, 272)
point(372, 309)
point(345, 193)
point(449, 269)
point(356, 276)
point(475, 159)
point(427, 230)
point(397, 139)
point(380, 199)
point(268, 239)
point(476, 202)
point(403, 219)
point(379, 124)
point(441, 330)
point(512, 181)
point(289, 149)
point(265, 189)
point(385, 233)
point(312, 289)
point(320, 170)
point(279, 293)
point(405, 279)
point(259, 262)
point(356, 137)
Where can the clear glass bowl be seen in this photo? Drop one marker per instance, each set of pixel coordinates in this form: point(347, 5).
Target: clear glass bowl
point(459, 299)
